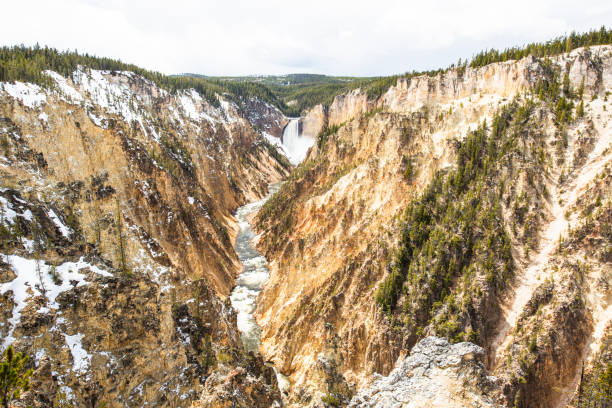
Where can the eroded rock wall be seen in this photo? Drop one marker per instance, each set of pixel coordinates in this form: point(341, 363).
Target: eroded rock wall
point(331, 232)
point(117, 237)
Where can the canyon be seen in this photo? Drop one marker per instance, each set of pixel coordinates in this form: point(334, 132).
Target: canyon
point(330, 235)
point(444, 243)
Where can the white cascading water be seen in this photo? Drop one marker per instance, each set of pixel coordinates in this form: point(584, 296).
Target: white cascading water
point(255, 266)
point(252, 279)
point(254, 275)
point(296, 144)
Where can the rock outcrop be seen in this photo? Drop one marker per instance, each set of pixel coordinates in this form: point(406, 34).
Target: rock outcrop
point(436, 374)
point(313, 121)
point(265, 117)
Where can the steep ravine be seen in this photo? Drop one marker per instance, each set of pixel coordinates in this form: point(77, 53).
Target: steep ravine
point(556, 230)
point(255, 272)
point(254, 275)
point(251, 280)
point(449, 242)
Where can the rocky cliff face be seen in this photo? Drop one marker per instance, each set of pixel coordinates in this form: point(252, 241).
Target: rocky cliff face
point(479, 89)
point(117, 237)
point(265, 117)
point(333, 231)
point(313, 121)
point(436, 374)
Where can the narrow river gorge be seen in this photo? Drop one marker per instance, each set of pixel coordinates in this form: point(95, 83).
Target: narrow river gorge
point(255, 271)
point(439, 239)
point(254, 275)
point(251, 280)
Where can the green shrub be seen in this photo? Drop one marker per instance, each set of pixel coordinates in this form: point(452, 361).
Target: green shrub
point(331, 400)
point(408, 169)
point(14, 379)
point(325, 133)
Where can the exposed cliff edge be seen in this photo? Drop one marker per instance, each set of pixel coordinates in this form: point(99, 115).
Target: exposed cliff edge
point(539, 134)
point(476, 87)
point(436, 374)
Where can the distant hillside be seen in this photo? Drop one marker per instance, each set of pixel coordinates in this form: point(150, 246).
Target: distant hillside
point(300, 92)
point(281, 80)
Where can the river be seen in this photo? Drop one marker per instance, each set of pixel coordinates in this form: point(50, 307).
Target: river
point(251, 280)
point(253, 277)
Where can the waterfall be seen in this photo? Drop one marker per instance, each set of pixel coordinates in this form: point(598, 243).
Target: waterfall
point(296, 144)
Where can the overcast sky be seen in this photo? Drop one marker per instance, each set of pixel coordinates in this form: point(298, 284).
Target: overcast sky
point(347, 37)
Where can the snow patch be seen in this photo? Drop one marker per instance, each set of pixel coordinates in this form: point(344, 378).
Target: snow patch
point(192, 105)
point(39, 355)
point(8, 212)
point(99, 121)
point(59, 224)
point(30, 95)
point(36, 278)
point(69, 93)
point(228, 109)
point(114, 96)
point(188, 105)
point(81, 359)
point(276, 142)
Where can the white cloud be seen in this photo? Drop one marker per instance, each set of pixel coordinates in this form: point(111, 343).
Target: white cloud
point(272, 36)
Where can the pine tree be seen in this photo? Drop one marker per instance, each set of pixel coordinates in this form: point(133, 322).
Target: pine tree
point(568, 44)
point(121, 244)
point(13, 379)
point(567, 87)
point(4, 231)
point(580, 110)
point(96, 225)
point(408, 169)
